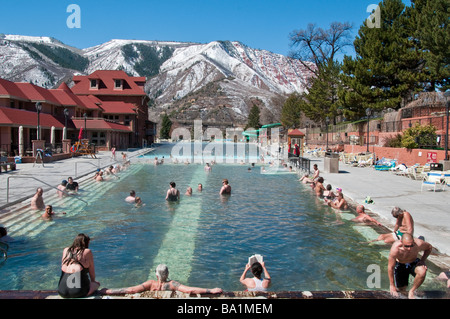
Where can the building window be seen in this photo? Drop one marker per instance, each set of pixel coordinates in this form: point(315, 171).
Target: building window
point(93, 84)
point(127, 120)
point(99, 138)
point(118, 84)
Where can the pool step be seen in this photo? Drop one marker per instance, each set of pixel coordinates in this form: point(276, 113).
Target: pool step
point(21, 220)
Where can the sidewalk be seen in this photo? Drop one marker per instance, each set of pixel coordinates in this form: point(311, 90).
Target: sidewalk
point(430, 210)
point(19, 185)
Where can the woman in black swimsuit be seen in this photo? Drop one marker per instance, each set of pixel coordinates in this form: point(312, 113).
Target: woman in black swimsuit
point(77, 270)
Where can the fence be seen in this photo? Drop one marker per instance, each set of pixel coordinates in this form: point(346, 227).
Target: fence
point(356, 133)
point(299, 162)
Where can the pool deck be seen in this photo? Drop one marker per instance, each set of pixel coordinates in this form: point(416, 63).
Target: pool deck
point(429, 209)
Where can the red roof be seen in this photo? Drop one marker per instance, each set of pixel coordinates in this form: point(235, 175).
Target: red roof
point(131, 85)
point(101, 125)
point(296, 132)
point(36, 93)
point(16, 117)
point(89, 102)
point(10, 89)
point(118, 108)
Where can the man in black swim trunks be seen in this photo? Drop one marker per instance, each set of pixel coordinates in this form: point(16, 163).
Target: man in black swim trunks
point(71, 185)
point(403, 261)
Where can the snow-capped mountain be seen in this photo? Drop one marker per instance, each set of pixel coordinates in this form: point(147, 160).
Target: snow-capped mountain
point(224, 80)
point(218, 81)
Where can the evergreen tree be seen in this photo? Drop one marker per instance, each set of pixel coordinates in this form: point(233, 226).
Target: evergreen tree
point(387, 67)
point(253, 118)
point(291, 111)
point(429, 27)
point(166, 125)
point(322, 98)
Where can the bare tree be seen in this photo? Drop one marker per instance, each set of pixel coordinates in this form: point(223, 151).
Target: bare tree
point(319, 46)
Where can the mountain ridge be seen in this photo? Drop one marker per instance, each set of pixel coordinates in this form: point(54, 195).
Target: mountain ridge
point(226, 77)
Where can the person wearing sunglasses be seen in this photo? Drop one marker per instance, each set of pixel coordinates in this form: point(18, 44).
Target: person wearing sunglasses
point(403, 261)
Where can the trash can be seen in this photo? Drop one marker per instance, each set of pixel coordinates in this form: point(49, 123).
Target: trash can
point(436, 166)
point(331, 162)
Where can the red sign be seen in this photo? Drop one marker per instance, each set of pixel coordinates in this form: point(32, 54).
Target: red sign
point(431, 157)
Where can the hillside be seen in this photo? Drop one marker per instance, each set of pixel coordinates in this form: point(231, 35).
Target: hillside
point(217, 82)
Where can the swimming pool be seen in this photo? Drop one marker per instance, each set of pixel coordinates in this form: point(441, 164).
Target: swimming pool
point(204, 239)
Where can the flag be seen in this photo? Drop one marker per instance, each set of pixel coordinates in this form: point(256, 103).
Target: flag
point(80, 136)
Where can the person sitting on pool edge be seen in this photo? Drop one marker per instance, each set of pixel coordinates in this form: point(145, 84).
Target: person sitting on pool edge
point(161, 284)
point(77, 270)
point(256, 283)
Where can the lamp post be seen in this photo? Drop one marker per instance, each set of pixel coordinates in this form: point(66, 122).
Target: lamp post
point(38, 109)
point(327, 121)
point(368, 113)
point(446, 94)
point(85, 118)
point(66, 114)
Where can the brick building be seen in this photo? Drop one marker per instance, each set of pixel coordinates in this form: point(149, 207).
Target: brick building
point(109, 106)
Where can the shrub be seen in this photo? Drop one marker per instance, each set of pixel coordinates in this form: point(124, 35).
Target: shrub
point(418, 136)
point(394, 141)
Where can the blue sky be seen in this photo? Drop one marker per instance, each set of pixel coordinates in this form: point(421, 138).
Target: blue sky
point(260, 24)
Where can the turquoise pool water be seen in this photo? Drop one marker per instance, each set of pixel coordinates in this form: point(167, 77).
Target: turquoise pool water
point(205, 239)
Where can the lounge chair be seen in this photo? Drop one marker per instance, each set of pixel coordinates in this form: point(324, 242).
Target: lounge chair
point(435, 180)
point(418, 174)
point(446, 176)
point(385, 165)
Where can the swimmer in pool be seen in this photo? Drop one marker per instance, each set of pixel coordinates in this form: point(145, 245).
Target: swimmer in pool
point(226, 188)
point(173, 194)
point(49, 213)
point(131, 198)
point(37, 202)
point(363, 217)
point(339, 203)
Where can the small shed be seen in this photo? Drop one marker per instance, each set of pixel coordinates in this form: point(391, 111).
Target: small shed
point(296, 136)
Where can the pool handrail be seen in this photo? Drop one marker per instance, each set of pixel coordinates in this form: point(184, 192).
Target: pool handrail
point(32, 177)
point(5, 254)
point(6, 244)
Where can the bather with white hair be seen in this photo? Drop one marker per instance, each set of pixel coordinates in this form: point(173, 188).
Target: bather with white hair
point(163, 283)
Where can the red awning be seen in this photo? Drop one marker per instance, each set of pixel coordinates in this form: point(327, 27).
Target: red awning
point(16, 117)
point(101, 125)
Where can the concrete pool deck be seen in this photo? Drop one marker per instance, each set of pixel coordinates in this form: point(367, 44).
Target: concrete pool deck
point(429, 210)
